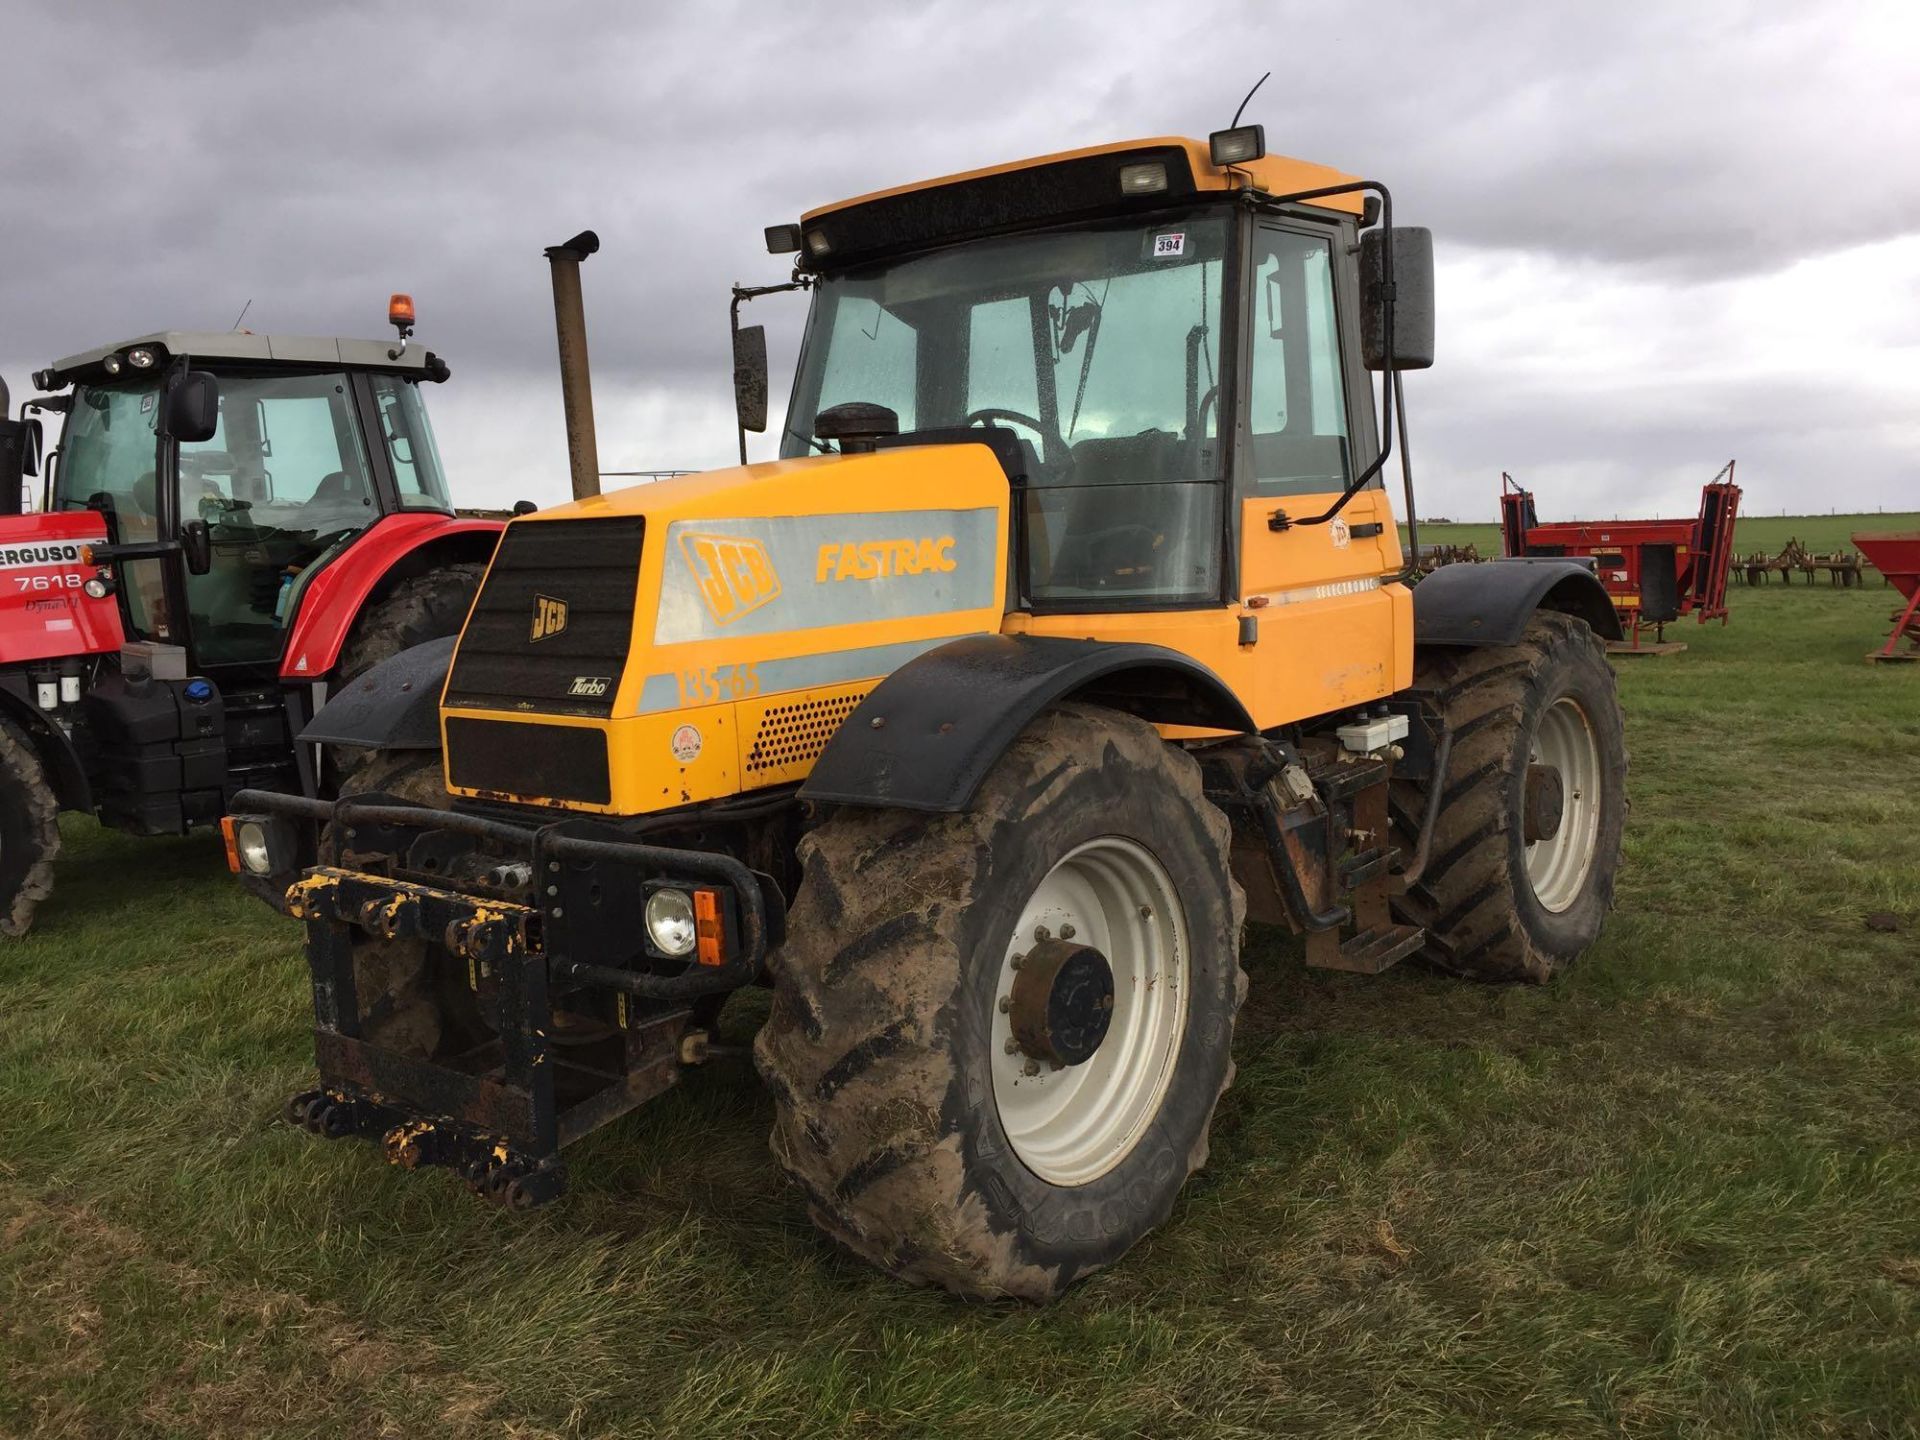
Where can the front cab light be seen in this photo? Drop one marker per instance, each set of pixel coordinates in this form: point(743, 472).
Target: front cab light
point(1149, 178)
point(1240, 146)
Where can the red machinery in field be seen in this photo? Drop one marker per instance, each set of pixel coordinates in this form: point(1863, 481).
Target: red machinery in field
point(1896, 555)
point(1655, 570)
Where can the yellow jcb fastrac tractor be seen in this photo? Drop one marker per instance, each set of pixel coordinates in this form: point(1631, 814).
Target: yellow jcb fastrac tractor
point(1070, 632)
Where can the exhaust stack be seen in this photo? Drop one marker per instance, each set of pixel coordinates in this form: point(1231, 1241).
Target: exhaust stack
point(576, 379)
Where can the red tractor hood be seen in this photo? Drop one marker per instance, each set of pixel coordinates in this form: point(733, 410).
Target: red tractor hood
point(44, 612)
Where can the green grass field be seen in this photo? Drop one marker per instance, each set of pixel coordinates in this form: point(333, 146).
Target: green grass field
point(1675, 1193)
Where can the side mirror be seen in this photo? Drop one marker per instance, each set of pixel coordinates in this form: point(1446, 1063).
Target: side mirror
point(193, 409)
point(33, 444)
point(14, 463)
point(750, 376)
point(196, 546)
point(1413, 298)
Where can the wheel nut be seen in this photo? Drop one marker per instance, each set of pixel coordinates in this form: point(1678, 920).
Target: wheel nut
point(1041, 934)
point(1067, 932)
point(1006, 1003)
point(1012, 1046)
point(1032, 1067)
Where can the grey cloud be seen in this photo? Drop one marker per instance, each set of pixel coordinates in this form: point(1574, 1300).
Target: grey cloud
point(164, 165)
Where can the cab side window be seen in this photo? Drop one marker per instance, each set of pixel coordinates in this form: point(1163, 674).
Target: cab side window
point(1297, 411)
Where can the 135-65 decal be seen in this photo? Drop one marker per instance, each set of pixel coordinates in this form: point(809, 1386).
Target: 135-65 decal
point(710, 686)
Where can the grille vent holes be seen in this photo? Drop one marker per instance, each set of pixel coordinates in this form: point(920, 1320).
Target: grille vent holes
point(794, 734)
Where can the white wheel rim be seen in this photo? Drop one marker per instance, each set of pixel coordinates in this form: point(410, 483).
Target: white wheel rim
point(1070, 1126)
point(1557, 867)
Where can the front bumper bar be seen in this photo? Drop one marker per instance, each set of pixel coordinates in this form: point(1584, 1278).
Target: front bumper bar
point(500, 1112)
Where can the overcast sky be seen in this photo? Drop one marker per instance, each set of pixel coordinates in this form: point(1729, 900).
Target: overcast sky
point(1667, 235)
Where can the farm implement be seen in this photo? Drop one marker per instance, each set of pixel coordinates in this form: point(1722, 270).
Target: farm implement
point(1655, 571)
point(1896, 555)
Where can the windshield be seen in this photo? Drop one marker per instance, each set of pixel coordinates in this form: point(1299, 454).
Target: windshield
point(283, 480)
point(1099, 347)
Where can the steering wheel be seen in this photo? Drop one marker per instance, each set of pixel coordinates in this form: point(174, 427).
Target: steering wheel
point(988, 414)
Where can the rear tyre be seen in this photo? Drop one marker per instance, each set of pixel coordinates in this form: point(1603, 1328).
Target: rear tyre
point(913, 1105)
point(29, 831)
point(422, 608)
point(1520, 873)
point(425, 607)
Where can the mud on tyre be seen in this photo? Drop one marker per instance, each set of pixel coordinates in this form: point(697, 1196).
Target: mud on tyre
point(1520, 874)
point(29, 831)
point(418, 609)
point(928, 1138)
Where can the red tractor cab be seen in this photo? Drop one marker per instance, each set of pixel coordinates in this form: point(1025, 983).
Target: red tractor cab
point(230, 527)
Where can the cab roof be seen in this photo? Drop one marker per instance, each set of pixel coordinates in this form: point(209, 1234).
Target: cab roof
point(1273, 174)
point(1076, 186)
point(242, 346)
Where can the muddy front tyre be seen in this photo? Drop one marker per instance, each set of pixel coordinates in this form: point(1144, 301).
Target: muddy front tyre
point(29, 831)
point(998, 1037)
point(1520, 873)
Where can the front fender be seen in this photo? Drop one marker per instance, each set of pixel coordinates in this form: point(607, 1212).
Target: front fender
point(393, 706)
point(927, 735)
point(1490, 604)
point(392, 548)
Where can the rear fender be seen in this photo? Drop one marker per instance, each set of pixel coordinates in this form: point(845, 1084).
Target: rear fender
point(927, 735)
point(394, 549)
point(1490, 604)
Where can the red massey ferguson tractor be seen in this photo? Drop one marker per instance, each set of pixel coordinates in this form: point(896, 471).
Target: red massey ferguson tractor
point(231, 527)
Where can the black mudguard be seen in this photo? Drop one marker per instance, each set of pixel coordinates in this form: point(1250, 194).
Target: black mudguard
point(928, 734)
point(1490, 604)
point(393, 706)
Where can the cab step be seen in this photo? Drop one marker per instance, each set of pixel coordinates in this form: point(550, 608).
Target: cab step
point(1367, 953)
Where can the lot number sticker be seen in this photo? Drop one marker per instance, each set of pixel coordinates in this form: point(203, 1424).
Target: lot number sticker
point(1165, 247)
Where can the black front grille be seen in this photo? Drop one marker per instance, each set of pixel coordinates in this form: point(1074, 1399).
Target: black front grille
point(539, 762)
point(513, 655)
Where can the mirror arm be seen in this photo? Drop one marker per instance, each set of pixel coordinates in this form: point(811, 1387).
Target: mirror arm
point(754, 292)
point(1392, 405)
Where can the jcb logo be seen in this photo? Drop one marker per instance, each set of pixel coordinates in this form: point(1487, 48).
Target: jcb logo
point(736, 577)
point(549, 617)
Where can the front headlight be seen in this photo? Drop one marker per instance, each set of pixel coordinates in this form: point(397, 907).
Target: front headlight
point(670, 922)
point(250, 842)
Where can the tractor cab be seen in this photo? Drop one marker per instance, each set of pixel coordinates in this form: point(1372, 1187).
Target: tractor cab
point(231, 527)
point(312, 442)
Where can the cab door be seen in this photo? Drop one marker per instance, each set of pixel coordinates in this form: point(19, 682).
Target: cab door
point(1327, 626)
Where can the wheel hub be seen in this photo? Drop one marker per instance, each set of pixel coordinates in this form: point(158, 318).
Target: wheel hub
point(1062, 1002)
point(1546, 803)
